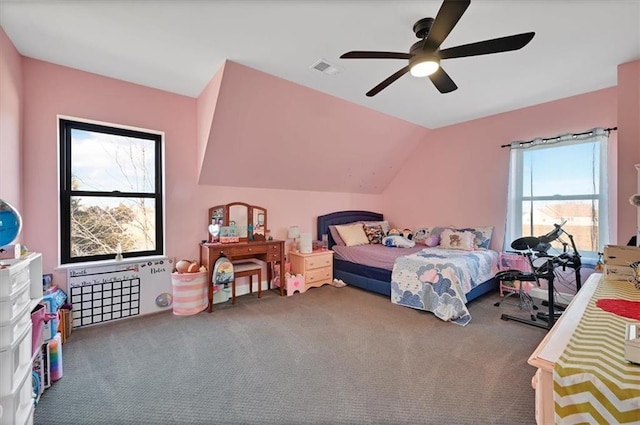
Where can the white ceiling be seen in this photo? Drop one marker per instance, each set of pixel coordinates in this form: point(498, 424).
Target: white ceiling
point(178, 45)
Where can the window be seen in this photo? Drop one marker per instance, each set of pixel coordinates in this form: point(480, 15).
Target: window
point(558, 180)
point(110, 192)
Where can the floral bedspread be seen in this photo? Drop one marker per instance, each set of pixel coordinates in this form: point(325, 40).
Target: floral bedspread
point(437, 280)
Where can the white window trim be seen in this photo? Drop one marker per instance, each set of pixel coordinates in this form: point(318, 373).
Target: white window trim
point(515, 197)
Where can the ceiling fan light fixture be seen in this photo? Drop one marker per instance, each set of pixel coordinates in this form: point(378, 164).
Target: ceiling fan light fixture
point(424, 56)
point(424, 68)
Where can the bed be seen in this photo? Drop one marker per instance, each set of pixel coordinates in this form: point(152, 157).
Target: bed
point(396, 281)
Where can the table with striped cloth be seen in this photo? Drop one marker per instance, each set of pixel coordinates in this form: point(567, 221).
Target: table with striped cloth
point(592, 383)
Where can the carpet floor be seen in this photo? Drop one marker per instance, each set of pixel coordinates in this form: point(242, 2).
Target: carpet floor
point(329, 356)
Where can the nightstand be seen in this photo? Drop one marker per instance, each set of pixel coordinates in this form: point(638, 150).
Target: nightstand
point(317, 267)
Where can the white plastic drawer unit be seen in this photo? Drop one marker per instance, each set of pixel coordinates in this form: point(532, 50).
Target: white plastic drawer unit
point(12, 306)
point(20, 290)
point(16, 408)
point(11, 331)
point(15, 361)
point(13, 276)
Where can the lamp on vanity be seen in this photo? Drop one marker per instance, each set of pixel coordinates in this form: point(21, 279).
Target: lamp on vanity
point(293, 234)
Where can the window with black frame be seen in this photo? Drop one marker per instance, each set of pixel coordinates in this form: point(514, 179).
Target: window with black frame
point(110, 192)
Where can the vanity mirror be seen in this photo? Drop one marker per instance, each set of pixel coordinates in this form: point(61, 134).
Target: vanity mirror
point(10, 223)
point(259, 222)
point(239, 218)
point(249, 221)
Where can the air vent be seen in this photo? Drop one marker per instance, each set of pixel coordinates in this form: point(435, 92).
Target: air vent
point(325, 67)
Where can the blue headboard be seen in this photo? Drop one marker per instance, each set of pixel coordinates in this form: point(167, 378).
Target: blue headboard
point(343, 217)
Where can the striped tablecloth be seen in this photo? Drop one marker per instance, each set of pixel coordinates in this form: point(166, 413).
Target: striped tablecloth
point(592, 383)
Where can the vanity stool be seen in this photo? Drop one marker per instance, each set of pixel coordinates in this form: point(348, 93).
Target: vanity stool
point(246, 269)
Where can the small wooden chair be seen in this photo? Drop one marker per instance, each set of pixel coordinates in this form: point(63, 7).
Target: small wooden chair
point(246, 269)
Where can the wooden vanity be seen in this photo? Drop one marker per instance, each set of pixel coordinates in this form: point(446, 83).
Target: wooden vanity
point(267, 251)
point(248, 224)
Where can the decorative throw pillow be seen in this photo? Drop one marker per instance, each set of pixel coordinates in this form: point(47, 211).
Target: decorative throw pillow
point(352, 234)
point(483, 235)
point(452, 239)
point(374, 233)
point(336, 236)
point(421, 234)
point(384, 224)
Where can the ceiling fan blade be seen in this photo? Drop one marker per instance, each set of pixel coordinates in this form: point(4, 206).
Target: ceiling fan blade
point(496, 45)
point(448, 16)
point(377, 89)
point(356, 54)
point(442, 81)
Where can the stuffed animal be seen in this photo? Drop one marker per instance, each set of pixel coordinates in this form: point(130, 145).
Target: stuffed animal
point(397, 241)
point(394, 232)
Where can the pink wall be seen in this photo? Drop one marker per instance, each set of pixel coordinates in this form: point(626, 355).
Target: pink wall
point(50, 90)
point(459, 175)
point(430, 190)
point(304, 139)
point(628, 147)
point(284, 207)
point(10, 122)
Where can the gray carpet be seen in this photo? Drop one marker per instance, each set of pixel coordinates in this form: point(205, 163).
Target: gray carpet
point(329, 356)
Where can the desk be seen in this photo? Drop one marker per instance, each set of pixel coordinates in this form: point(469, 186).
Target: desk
point(552, 346)
point(268, 251)
point(581, 359)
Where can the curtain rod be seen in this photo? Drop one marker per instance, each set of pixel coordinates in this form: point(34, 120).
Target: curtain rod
point(557, 137)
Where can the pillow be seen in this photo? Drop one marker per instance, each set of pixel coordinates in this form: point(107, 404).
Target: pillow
point(396, 241)
point(352, 234)
point(453, 239)
point(384, 224)
point(374, 233)
point(336, 236)
point(432, 241)
point(421, 234)
point(483, 235)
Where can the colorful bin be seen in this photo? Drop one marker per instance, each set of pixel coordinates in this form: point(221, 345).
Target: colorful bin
point(189, 293)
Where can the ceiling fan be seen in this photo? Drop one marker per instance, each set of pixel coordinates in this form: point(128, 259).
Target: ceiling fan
point(425, 55)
